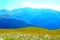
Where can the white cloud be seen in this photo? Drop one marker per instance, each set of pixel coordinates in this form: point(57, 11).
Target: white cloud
point(37, 6)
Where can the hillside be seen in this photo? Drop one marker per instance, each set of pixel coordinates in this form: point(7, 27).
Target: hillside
point(12, 23)
point(31, 30)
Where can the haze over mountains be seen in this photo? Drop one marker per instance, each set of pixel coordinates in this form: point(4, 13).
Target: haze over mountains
point(46, 18)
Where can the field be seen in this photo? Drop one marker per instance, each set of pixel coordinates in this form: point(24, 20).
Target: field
point(29, 33)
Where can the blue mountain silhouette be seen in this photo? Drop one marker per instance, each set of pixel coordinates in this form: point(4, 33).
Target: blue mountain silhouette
point(12, 23)
point(46, 18)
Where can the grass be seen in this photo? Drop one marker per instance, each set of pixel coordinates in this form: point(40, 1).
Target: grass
point(29, 33)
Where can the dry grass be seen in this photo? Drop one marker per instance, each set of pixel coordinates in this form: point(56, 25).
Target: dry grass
point(29, 33)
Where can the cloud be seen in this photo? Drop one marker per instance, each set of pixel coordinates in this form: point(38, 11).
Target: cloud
point(38, 6)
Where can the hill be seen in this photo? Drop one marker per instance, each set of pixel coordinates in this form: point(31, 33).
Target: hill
point(12, 23)
point(32, 30)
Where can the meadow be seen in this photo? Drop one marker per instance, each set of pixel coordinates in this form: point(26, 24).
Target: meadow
point(29, 33)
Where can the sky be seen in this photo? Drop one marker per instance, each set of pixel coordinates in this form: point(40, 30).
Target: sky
point(14, 4)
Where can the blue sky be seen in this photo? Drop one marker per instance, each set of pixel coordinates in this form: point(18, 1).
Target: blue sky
point(13, 4)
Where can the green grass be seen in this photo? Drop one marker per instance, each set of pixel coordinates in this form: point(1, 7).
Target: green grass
point(29, 33)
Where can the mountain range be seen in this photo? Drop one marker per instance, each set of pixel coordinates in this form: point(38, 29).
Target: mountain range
point(46, 18)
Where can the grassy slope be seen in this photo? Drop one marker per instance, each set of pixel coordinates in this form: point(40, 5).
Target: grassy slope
point(31, 30)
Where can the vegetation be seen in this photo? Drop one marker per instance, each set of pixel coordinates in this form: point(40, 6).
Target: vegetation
point(29, 33)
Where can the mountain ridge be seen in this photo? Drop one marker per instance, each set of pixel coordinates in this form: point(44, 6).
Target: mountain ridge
point(47, 18)
point(12, 23)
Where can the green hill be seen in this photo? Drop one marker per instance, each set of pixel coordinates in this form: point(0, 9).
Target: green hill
point(31, 30)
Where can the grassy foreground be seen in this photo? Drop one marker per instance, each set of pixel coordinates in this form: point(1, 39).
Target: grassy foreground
point(29, 33)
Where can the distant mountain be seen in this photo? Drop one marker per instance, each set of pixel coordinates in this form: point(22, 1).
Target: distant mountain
point(12, 23)
point(46, 18)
